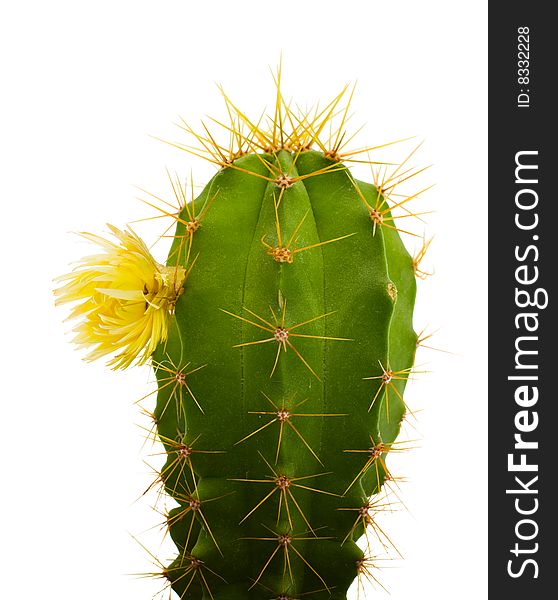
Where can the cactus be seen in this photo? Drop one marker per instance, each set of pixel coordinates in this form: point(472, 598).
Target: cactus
point(280, 333)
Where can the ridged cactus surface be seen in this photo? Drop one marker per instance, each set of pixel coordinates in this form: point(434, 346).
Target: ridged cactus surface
point(281, 368)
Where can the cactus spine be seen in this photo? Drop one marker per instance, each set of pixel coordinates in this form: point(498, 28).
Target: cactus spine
point(282, 372)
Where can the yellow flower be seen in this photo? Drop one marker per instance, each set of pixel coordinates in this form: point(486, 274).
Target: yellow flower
point(125, 298)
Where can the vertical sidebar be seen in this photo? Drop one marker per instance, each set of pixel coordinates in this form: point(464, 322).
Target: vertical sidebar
point(523, 256)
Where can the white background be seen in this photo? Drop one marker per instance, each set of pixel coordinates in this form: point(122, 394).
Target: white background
point(85, 85)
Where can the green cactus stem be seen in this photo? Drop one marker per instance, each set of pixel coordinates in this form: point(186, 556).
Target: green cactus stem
point(283, 363)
